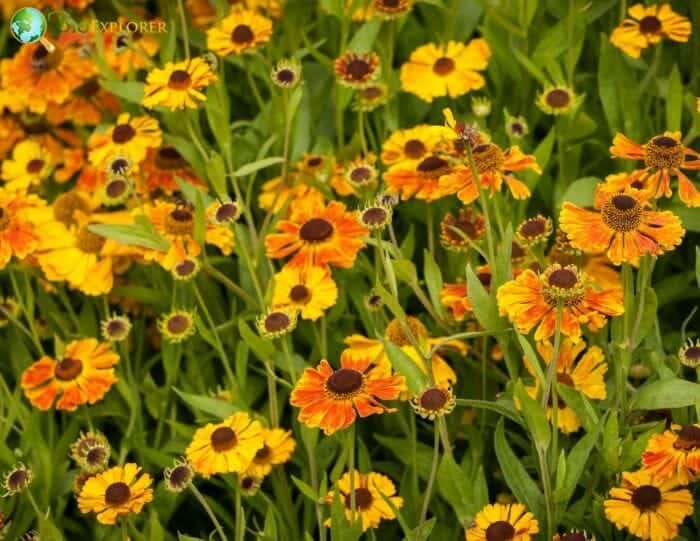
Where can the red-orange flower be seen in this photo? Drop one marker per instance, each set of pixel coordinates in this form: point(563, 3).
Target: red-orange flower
point(332, 399)
point(84, 374)
point(318, 235)
point(423, 179)
point(18, 235)
point(531, 299)
point(663, 156)
point(674, 454)
point(623, 226)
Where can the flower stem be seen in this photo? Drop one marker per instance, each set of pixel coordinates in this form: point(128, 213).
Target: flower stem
point(351, 468)
point(185, 32)
point(212, 516)
point(431, 478)
point(552, 368)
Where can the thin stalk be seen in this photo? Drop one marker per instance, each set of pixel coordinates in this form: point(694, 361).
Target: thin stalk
point(313, 470)
point(351, 468)
point(272, 393)
point(552, 368)
point(185, 32)
point(229, 284)
point(430, 226)
point(431, 479)
point(207, 508)
point(290, 360)
point(547, 485)
point(361, 128)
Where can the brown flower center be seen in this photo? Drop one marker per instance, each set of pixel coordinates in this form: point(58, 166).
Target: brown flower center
point(358, 69)
point(314, 161)
point(89, 242)
point(488, 158)
point(563, 279)
point(179, 80)
point(433, 399)
point(622, 213)
point(345, 381)
point(573, 536)
point(180, 476)
point(663, 152)
point(484, 278)
point(516, 251)
point(557, 98)
point(300, 294)
point(374, 216)
point(414, 149)
point(178, 324)
point(433, 167)
point(360, 175)
point(168, 158)
point(363, 499)
point(116, 187)
point(263, 455)
point(180, 222)
point(396, 335)
point(123, 133)
point(96, 456)
point(119, 166)
point(242, 34)
point(316, 230)
point(444, 66)
point(185, 268)
point(276, 322)
point(372, 93)
point(18, 480)
point(646, 498)
point(500, 531)
point(388, 3)
point(117, 494)
point(688, 438)
point(649, 25)
point(532, 228)
point(223, 439)
point(692, 353)
point(115, 328)
point(66, 205)
point(43, 60)
point(285, 76)
point(68, 369)
point(35, 165)
point(226, 212)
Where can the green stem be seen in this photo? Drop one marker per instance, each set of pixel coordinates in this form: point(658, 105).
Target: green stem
point(185, 32)
point(430, 226)
point(351, 469)
point(313, 470)
point(290, 360)
point(207, 508)
point(229, 284)
point(361, 129)
point(272, 393)
point(552, 368)
point(547, 485)
point(431, 479)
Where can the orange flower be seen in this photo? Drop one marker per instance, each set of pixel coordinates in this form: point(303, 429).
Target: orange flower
point(17, 228)
point(83, 375)
point(318, 235)
point(423, 179)
point(623, 227)
point(331, 399)
point(87, 106)
point(125, 51)
point(493, 166)
point(38, 77)
point(454, 297)
point(160, 169)
point(276, 195)
point(663, 156)
point(675, 454)
point(530, 300)
point(596, 266)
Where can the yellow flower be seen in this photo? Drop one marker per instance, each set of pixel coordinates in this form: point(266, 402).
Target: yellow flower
point(369, 490)
point(648, 26)
point(241, 31)
point(414, 143)
point(450, 69)
point(647, 507)
point(178, 85)
point(129, 138)
point(115, 493)
point(503, 522)
point(29, 165)
point(311, 290)
point(278, 446)
point(226, 447)
point(576, 368)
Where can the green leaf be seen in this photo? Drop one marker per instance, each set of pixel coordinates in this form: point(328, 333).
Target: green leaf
point(131, 235)
point(576, 463)
point(535, 417)
point(648, 318)
point(697, 265)
point(607, 84)
point(363, 40)
point(251, 168)
point(433, 280)
point(532, 357)
point(689, 216)
point(506, 409)
point(456, 487)
point(580, 192)
point(530, 66)
point(263, 349)
point(405, 270)
point(416, 379)
point(131, 91)
point(484, 305)
point(305, 489)
point(218, 113)
point(518, 480)
point(666, 394)
point(216, 174)
point(207, 404)
point(610, 448)
point(674, 100)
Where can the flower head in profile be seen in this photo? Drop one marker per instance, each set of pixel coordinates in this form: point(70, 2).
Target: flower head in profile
point(503, 522)
point(371, 96)
point(179, 476)
point(309, 290)
point(530, 300)
point(225, 447)
point(689, 353)
point(161, 169)
point(534, 231)
point(622, 225)
point(17, 479)
point(674, 454)
point(461, 232)
point(178, 85)
point(242, 31)
point(434, 401)
point(277, 449)
point(318, 235)
point(286, 73)
point(115, 493)
point(29, 166)
point(367, 491)
point(356, 70)
point(83, 375)
point(516, 126)
point(331, 399)
point(648, 507)
point(647, 26)
point(579, 368)
point(558, 100)
point(391, 9)
point(91, 452)
point(277, 322)
point(451, 69)
point(177, 325)
point(664, 156)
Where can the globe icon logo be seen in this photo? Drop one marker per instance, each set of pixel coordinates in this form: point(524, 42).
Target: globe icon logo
point(28, 25)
